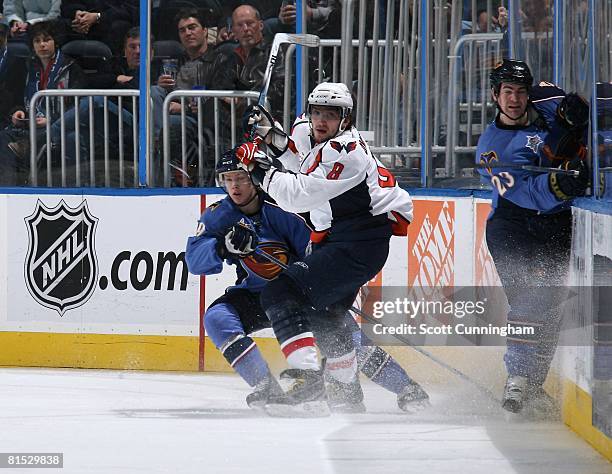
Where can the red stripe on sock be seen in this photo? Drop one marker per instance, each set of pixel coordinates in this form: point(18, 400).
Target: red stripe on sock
point(298, 344)
point(341, 364)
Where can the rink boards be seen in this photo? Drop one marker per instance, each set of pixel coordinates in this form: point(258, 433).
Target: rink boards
point(99, 281)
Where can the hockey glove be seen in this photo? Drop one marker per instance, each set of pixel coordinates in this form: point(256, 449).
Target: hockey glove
point(255, 162)
point(565, 186)
point(573, 112)
point(240, 241)
point(245, 154)
point(268, 129)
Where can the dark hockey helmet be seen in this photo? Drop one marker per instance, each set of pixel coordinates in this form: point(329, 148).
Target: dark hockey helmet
point(228, 162)
point(510, 71)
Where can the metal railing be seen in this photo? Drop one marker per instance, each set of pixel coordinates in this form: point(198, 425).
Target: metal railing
point(84, 102)
point(199, 95)
point(479, 48)
point(381, 64)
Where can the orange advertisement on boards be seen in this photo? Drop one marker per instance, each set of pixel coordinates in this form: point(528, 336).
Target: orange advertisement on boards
point(431, 244)
point(485, 273)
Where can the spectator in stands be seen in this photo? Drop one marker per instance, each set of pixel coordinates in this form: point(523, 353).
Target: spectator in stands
point(12, 78)
point(244, 67)
point(197, 68)
point(322, 18)
point(107, 20)
point(120, 73)
point(49, 69)
point(21, 14)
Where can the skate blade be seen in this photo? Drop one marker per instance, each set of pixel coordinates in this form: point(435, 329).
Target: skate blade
point(257, 406)
point(415, 407)
point(348, 408)
point(314, 409)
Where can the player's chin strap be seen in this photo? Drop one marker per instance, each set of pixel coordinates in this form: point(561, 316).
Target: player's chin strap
point(255, 196)
point(511, 118)
point(373, 320)
point(500, 111)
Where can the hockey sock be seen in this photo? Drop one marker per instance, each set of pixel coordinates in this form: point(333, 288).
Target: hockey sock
point(243, 355)
point(521, 359)
point(378, 365)
point(300, 352)
point(287, 310)
point(343, 368)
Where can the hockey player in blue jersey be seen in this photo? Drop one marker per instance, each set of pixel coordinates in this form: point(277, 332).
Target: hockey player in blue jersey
point(529, 228)
point(230, 230)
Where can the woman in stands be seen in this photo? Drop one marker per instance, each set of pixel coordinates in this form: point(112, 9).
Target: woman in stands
point(48, 69)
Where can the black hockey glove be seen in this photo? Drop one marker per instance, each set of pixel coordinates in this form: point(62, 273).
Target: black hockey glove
point(573, 112)
point(565, 186)
point(239, 241)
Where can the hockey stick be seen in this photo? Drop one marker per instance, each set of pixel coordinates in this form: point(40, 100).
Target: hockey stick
point(310, 41)
point(371, 319)
point(537, 169)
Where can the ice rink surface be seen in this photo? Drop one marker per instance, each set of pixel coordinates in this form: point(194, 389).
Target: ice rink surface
point(145, 422)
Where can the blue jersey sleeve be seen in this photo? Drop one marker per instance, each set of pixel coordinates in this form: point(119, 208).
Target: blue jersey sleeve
point(201, 253)
point(545, 97)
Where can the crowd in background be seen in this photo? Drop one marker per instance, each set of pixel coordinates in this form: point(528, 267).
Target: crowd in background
point(95, 44)
point(199, 44)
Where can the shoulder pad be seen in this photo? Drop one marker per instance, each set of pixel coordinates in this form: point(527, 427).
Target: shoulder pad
point(545, 90)
point(215, 212)
point(300, 127)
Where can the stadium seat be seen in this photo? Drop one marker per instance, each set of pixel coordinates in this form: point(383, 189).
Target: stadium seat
point(18, 49)
point(90, 54)
point(167, 49)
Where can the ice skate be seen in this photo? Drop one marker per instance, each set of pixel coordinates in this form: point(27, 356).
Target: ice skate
point(304, 397)
point(258, 398)
point(413, 398)
point(344, 397)
point(515, 393)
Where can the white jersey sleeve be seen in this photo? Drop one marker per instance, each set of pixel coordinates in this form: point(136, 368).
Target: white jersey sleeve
point(298, 146)
point(337, 179)
point(319, 180)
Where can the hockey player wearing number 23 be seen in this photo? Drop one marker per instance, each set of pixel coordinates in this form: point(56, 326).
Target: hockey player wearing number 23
point(529, 229)
point(355, 206)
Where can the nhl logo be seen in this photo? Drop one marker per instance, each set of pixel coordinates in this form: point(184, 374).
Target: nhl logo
point(61, 266)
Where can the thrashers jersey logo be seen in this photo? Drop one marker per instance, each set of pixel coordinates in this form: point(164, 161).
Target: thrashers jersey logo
point(263, 267)
point(487, 159)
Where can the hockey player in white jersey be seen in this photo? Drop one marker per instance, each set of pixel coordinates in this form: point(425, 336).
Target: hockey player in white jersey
point(355, 206)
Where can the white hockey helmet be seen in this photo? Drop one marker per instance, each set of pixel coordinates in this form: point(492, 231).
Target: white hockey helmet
point(333, 94)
